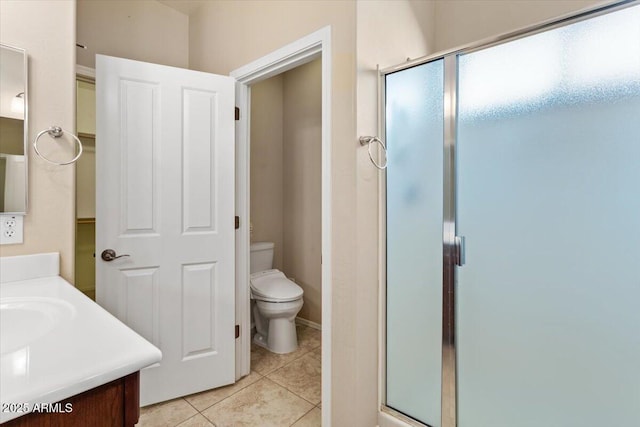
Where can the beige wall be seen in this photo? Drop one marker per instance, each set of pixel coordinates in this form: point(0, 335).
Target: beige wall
point(464, 21)
point(225, 35)
point(144, 30)
point(408, 33)
point(266, 165)
point(302, 180)
point(11, 136)
point(286, 142)
point(86, 107)
point(86, 183)
point(46, 29)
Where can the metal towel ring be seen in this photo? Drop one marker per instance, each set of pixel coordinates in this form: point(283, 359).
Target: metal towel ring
point(369, 140)
point(57, 132)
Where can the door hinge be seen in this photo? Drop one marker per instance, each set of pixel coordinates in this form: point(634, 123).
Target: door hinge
point(237, 331)
point(237, 113)
point(237, 222)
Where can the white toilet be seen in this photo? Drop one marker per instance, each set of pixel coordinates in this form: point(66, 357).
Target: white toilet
point(276, 302)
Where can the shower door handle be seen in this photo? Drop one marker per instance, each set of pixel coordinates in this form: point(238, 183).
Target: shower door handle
point(459, 251)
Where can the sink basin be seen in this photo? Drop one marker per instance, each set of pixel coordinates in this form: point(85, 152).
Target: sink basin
point(24, 320)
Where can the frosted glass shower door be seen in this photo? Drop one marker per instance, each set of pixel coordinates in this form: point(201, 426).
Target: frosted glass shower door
point(414, 137)
point(548, 199)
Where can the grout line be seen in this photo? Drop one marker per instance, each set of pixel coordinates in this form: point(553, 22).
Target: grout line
point(189, 403)
point(303, 415)
point(292, 392)
point(288, 389)
point(234, 393)
point(289, 362)
point(205, 417)
point(193, 416)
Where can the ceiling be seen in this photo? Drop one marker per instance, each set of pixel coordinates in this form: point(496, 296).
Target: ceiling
point(184, 6)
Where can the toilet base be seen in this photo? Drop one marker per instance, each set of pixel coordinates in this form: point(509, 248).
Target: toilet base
point(276, 326)
point(260, 340)
point(282, 337)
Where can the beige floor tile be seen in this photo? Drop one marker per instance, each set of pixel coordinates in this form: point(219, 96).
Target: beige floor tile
point(264, 362)
point(202, 401)
point(166, 414)
point(302, 376)
point(317, 353)
point(196, 421)
point(263, 403)
point(308, 338)
point(313, 418)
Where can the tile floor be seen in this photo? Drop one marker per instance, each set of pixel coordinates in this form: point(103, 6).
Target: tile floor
point(282, 390)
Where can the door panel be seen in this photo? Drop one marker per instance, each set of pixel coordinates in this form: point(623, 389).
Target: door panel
point(548, 178)
point(198, 160)
point(414, 241)
point(165, 196)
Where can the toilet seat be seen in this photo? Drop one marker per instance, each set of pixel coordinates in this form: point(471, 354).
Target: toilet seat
point(273, 286)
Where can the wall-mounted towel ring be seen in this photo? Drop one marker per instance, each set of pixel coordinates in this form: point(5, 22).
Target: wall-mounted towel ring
point(57, 132)
point(369, 140)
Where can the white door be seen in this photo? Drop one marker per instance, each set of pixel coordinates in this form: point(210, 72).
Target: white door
point(165, 198)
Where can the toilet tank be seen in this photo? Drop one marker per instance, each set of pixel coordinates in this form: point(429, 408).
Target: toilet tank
point(261, 256)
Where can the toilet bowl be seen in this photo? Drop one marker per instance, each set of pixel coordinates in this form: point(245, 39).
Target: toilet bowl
point(277, 301)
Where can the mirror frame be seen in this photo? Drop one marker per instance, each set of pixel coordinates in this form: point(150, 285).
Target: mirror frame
point(25, 128)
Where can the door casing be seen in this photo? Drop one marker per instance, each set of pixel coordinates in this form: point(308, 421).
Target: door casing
point(301, 51)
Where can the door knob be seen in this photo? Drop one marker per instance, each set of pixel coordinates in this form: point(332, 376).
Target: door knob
point(110, 255)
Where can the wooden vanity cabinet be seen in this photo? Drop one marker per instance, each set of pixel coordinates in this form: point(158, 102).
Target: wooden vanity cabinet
point(115, 404)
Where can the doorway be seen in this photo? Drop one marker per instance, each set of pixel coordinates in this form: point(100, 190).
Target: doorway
point(85, 248)
point(285, 209)
point(314, 46)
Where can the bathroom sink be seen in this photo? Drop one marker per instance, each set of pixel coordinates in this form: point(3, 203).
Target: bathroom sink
point(54, 341)
point(23, 320)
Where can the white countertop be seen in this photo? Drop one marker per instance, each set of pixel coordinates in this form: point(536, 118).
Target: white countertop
point(86, 347)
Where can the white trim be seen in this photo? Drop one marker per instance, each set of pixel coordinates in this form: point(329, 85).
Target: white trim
point(293, 55)
point(243, 308)
point(308, 323)
point(81, 70)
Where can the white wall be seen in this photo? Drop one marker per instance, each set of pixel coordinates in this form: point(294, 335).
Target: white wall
point(46, 29)
point(144, 30)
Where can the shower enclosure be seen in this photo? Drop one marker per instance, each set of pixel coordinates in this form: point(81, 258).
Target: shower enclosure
point(513, 229)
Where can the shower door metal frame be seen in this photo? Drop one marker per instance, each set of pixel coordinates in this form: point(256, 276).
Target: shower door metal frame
point(450, 249)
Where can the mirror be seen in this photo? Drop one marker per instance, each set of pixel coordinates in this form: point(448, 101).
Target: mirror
point(13, 130)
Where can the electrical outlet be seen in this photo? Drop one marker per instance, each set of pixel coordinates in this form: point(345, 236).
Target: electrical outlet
point(11, 229)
